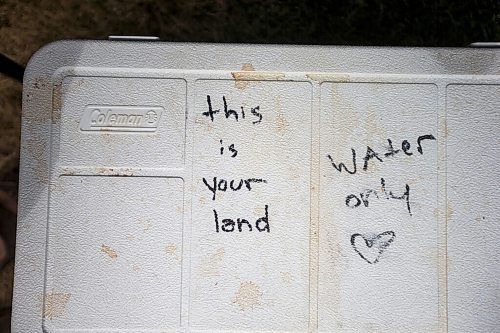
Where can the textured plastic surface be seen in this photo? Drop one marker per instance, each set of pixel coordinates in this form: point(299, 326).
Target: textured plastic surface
point(204, 188)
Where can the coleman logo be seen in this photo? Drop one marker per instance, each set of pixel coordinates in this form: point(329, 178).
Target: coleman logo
point(121, 118)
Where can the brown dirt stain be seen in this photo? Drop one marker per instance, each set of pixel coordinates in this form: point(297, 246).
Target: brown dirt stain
point(40, 83)
point(171, 251)
point(259, 211)
point(145, 223)
point(238, 83)
point(68, 172)
point(449, 211)
point(56, 103)
point(281, 122)
point(328, 77)
point(35, 150)
point(33, 90)
point(287, 277)
point(35, 121)
point(248, 75)
point(248, 296)
point(122, 172)
point(212, 265)
point(109, 251)
point(55, 304)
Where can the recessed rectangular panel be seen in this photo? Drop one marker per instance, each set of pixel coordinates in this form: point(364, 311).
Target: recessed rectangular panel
point(114, 254)
point(122, 122)
point(378, 268)
point(472, 150)
point(251, 206)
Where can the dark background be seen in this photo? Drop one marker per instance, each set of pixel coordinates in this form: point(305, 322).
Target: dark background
point(25, 26)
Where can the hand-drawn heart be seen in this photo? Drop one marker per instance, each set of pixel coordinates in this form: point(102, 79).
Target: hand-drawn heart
point(375, 245)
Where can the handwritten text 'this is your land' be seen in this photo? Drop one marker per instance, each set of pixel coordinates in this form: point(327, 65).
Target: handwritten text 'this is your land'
point(218, 184)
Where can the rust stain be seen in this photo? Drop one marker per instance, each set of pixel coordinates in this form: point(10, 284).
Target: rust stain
point(130, 237)
point(69, 172)
point(126, 172)
point(330, 77)
point(56, 187)
point(106, 137)
point(374, 132)
point(212, 265)
point(446, 130)
point(287, 277)
point(146, 224)
point(281, 122)
point(136, 267)
point(171, 250)
point(334, 251)
point(101, 170)
point(209, 127)
point(238, 83)
point(248, 74)
point(296, 176)
point(449, 211)
point(109, 251)
point(75, 84)
point(344, 125)
point(247, 67)
point(55, 304)
point(248, 296)
point(259, 211)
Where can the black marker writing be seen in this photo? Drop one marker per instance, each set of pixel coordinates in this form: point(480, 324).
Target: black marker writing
point(355, 200)
point(341, 165)
point(373, 246)
point(420, 139)
point(390, 149)
point(230, 113)
point(372, 155)
point(405, 145)
point(231, 149)
point(255, 112)
point(222, 184)
point(229, 225)
point(210, 113)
